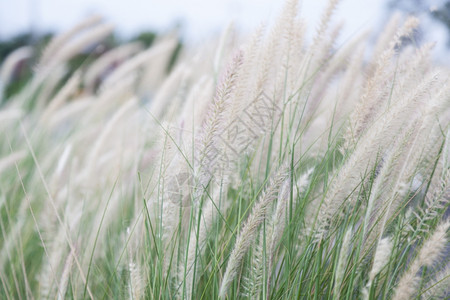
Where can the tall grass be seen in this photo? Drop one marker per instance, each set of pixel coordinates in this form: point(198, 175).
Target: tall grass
point(267, 167)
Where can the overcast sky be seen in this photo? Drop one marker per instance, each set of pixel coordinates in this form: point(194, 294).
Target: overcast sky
point(199, 18)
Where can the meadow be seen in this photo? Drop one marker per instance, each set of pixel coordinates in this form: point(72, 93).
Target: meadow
point(268, 166)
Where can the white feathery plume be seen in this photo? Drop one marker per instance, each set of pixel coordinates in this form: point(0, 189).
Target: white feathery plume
point(71, 110)
point(11, 61)
point(276, 226)
point(49, 85)
point(381, 258)
point(63, 282)
point(411, 158)
point(9, 114)
point(101, 66)
point(411, 68)
point(379, 137)
point(249, 231)
point(11, 160)
point(197, 246)
point(220, 49)
point(59, 41)
point(155, 71)
point(253, 282)
point(382, 183)
point(208, 158)
point(107, 101)
point(383, 41)
point(71, 49)
point(376, 91)
point(63, 95)
point(167, 92)
point(278, 221)
point(243, 93)
point(428, 255)
point(438, 193)
point(322, 40)
point(439, 287)
point(325, 21)
point(136, 285)
point(138, 61)
point(269, 58)
point(195, 107)
point(49, 275)
point(342, 263)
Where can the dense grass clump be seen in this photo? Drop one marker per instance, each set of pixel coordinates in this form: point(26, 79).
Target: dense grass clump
point(267, 167)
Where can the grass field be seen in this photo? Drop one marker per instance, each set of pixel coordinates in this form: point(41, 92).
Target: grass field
point(261, 167)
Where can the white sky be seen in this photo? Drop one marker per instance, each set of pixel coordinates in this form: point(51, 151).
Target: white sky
point(199, 18)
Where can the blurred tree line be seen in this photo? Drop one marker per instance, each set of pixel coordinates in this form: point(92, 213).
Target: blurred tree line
point(24, 70)
point(437, 10)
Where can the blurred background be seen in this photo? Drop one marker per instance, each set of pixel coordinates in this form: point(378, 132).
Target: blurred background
point(196, 18)
point(34, 22)
point(28, 20)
